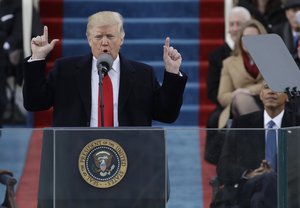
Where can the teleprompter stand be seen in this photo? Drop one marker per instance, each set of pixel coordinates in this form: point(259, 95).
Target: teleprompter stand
point(277, 66)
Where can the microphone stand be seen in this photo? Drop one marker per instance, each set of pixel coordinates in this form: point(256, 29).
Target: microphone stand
point(101, 76)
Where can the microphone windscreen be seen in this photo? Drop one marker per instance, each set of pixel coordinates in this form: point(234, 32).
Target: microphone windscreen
point(104, 63)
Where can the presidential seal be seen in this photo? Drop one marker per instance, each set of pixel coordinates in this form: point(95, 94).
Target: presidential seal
point(102, 163)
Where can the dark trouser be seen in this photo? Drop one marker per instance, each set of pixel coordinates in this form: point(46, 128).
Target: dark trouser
point(259, 192)
point(213, 143)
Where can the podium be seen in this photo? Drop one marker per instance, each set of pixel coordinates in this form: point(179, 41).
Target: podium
point(106, 167)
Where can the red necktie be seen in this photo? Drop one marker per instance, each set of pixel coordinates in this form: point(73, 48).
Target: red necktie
point(107, 102)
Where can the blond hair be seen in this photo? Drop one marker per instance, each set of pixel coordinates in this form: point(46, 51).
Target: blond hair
point(251, 23)
point(105, 18)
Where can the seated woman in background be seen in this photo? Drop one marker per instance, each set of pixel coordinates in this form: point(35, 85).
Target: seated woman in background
point(240, 80)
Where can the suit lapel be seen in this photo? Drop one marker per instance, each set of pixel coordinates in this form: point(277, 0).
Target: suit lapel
point(127, 78)
point(257, 121)
point(287, 120)
point(83, 82)
point(288, 38)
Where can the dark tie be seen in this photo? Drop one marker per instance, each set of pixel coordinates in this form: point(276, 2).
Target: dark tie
point(107, 103)
point(271, 156)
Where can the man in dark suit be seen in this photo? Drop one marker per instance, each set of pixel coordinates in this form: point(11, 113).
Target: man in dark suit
point(72, 86)
point(289, 31)
point(11, 55)
point(243, 162)
point(268, 12)
point(10, 45)
point(237, 17)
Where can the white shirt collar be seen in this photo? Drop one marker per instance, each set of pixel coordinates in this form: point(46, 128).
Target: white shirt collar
point(229, 41)
point(277, 120)
point(114, 75)
point(296, 34)
point(94, 66)
point(115, 66)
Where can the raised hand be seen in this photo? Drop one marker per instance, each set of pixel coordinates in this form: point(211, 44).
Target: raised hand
point(172, 58)
point(40, 46)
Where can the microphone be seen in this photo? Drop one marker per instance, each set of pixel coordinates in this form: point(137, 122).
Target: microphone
point(104, 63)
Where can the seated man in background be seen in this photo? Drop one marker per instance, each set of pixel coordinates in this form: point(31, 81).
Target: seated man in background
point(289, 30)
point(268, 12)
point(237, 17)
point(247, 162)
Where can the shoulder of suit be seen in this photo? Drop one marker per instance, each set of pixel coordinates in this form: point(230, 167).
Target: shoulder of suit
point(248, 120)
point(223, 50)
point(136, 64)
point(232, 60)
point(75, 58)
point(278, 28)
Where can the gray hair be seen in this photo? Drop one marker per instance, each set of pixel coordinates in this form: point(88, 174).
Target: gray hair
point(242, 10)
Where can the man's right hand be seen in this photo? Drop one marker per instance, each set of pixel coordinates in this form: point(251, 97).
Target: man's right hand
point(263, 168)
point(40, 46)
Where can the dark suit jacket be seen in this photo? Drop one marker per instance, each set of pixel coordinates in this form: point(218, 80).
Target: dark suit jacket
point(11, 29)
point(244, 149)
point(11, 24)
point(285, 32)
point(68, 90)
point(11, 32)
point(274, 14)
point(215, 64)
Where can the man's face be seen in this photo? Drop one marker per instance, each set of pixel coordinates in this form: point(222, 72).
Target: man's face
point(291, 16)
point(105, 39)
point(236, 21)
point(272, 100)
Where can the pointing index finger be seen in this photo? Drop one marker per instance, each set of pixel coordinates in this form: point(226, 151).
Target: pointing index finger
point(167, 42)
point(46, 33)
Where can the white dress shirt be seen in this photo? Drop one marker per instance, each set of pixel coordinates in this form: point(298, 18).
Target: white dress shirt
point(277, 120)
point(114, 75)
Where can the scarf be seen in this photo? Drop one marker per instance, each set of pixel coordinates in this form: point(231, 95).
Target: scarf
point(250, 66)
